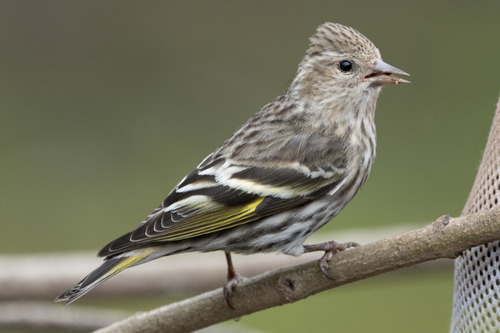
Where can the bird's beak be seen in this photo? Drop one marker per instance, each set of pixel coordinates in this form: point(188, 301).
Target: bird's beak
point(382, 74)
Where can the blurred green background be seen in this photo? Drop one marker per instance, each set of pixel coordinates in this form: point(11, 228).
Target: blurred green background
point(105, 106)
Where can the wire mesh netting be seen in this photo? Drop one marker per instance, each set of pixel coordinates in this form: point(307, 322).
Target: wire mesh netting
point(477, 270)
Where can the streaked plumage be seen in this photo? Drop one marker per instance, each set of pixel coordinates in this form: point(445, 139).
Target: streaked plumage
point(286, 172)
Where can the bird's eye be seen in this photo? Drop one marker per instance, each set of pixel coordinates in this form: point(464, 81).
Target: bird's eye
point(345, 66)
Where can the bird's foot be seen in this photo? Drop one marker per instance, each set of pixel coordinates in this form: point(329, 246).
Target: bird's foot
point(233, 279)
point(330, 249)
point(230, 286)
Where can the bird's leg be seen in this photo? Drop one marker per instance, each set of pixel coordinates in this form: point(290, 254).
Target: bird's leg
point(233, 279)
point(330, 249)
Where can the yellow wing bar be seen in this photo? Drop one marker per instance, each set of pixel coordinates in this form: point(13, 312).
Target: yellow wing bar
point(212, 218)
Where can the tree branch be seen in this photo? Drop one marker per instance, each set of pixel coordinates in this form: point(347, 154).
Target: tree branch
point(444, 238)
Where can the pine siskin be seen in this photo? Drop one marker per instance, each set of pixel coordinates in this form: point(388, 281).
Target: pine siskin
point(286, 172)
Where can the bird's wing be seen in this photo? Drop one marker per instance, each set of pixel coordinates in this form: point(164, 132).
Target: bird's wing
point(222, 194)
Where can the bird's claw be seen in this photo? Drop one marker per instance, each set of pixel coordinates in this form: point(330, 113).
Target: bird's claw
point(330, 249)
point(230, 286)
point(323, 264)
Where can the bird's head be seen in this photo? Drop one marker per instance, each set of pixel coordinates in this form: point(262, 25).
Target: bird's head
point(340, 61)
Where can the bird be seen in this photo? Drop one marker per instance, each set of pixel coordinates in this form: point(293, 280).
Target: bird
point(286, 172)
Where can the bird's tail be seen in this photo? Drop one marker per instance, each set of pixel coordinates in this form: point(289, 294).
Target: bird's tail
point(108, 269)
